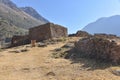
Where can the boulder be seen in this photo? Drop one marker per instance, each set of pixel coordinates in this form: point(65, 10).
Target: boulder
point(40, 44)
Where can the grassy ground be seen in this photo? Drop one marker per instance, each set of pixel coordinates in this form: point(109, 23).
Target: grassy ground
point(37, 64)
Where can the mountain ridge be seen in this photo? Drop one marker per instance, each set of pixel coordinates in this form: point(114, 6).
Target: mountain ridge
point(15, 17)
point(108, 25)
point(31, 11)
point(10, 4)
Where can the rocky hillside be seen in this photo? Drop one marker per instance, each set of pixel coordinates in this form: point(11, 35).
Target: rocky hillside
point(109, 25)
point(10, 4)
point(16, 17)
point(33, 13)
point(7, 29)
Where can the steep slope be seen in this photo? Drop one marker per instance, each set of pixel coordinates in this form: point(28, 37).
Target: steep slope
point(17, 20)
point(109, 25)
point(10, 4)
point(8, 30)
point(34, 13)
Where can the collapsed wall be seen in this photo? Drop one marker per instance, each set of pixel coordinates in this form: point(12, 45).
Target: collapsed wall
point(80, 34)
point(99, 49)
point(20, 40)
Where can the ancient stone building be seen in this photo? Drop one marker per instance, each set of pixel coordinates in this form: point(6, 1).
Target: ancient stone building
point(39, 33)
point(47, 31)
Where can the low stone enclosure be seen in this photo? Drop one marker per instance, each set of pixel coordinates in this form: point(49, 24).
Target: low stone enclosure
point(108, 36)
point(40, 33)
point(20, 40)
point(98, 35)
point(98, 48)
point(80, 34)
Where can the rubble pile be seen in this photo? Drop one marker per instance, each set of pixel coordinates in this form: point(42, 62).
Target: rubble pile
point(99, 49)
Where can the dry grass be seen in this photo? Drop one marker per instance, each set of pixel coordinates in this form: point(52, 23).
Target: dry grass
point(36, 64)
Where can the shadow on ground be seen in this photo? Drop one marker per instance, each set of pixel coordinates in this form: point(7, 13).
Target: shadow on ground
point(86, 62)
point(68, 52)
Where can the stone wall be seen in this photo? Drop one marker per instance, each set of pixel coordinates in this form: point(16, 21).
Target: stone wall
point(72, 35)
point(41, 32)
point(47, 31)
point(99, 49)
point(58, 31)
point(108, 36)
point(82, 34)
point(20, 40)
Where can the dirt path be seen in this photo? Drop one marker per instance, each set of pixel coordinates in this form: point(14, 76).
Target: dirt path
point(36, 64)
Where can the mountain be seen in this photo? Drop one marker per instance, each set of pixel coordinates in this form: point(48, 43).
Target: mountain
point(15, 18)
point(10, 4)
point(15, 15)
point(8, 30)
point(108, 25)
point(33, 13)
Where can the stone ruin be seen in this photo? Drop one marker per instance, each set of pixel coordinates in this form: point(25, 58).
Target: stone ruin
point(83, 34)
point(47, 31)
point(40, 33)
point(80, 34)
point(20, 40)
point(99, 49)
point(107, 36)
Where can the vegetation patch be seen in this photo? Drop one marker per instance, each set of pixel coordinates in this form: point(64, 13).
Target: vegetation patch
point(63, 51)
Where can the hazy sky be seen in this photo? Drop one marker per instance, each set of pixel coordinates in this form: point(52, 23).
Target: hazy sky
point(74, 14)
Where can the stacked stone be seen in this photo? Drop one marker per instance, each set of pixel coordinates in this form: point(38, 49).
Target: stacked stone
point(82, 34)
point(99, 49)
point(108, 36)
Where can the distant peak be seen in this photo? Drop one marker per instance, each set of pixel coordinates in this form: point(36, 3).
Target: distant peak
point(31, 11)
point(10, 4)
point(28, 9)
point(108, 25)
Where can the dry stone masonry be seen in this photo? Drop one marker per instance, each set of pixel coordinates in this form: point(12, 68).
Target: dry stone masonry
point(40, 33)
point(99, 49)
point(47, 31)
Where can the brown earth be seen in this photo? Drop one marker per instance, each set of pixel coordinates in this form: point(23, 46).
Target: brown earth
point(37, 64)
